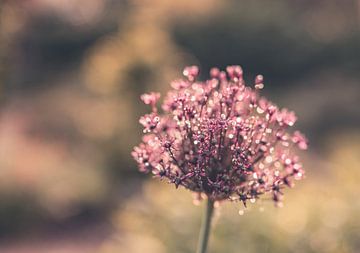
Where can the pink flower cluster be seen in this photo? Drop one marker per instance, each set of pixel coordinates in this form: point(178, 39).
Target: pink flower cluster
point(221, 138)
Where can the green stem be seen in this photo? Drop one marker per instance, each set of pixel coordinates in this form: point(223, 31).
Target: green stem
point(205, 227)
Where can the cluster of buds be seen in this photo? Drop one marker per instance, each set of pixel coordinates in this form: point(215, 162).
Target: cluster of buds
point(219, 137)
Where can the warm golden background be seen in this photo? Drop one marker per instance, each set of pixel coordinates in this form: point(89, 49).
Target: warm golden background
point(71, 72)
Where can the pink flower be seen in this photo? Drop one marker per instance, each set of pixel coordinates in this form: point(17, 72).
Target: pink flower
point(191, 72)
point(286, 117)
point(220, 138)
point(149, 122)
point(300, 140)
point(151, 99)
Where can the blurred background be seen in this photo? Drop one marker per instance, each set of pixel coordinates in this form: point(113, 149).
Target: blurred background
point(71, 73)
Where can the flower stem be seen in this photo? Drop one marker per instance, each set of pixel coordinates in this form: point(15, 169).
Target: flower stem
point(205, 227)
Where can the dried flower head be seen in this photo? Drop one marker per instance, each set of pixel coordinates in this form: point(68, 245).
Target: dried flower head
point(220, 138)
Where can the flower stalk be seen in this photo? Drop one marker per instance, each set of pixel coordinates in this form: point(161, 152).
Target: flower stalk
point(205, 227)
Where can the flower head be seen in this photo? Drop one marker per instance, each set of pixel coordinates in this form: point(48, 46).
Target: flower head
point(221, 138)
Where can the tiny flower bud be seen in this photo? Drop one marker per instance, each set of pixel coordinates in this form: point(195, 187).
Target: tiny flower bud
point(191, 72)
